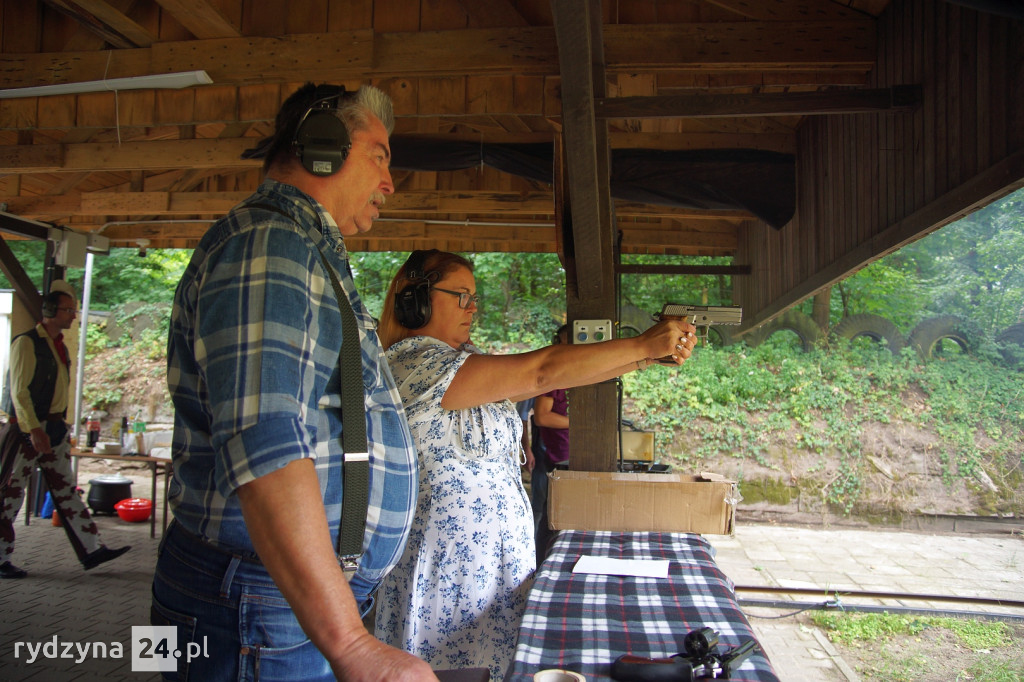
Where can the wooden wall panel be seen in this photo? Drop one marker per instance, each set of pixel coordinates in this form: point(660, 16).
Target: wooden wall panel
point(869, 183)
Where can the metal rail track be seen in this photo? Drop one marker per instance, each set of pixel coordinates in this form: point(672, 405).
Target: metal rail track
point(834, 602)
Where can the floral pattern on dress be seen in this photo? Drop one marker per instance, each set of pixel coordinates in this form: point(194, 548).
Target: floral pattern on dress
point(458, 594)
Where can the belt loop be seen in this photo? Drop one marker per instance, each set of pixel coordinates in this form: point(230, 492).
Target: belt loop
point(229, 575)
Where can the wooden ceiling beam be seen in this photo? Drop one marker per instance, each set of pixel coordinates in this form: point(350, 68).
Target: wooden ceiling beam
point(845, 101)
point(779, 142)
point(106, 21)
point(202, 19)
point(404, 203)
point(406, 235)
point(357, 55)
point(774, 10)
point(157, 155)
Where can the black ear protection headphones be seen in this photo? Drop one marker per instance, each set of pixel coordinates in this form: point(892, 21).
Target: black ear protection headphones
point(321, 140)
point(412, 303)
point(50, 303)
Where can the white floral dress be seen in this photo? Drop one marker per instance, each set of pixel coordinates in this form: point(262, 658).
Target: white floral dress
point(457, 596)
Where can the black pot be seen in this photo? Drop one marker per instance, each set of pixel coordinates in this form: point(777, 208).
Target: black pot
point(106, 491)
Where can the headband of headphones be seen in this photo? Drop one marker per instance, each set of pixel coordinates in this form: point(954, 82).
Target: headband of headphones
point(415, 264)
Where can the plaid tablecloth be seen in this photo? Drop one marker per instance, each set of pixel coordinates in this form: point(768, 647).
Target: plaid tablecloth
point(583, 622)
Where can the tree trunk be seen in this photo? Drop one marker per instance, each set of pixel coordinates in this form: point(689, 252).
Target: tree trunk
point(822, 308)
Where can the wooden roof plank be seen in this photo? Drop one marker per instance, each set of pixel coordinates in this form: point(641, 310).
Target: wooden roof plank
point(127, 156)
point(839, 101)
point(202, 19)
point(511, 51)
point(106, 21)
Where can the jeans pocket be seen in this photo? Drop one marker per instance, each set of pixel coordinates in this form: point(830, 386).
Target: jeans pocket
point(161, 615)
point(274, 646)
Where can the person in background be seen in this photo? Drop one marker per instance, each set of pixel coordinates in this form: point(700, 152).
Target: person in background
point(35, 400)
point(533, 450)
point(551, 414)
point(251, 561)
point(457, 596)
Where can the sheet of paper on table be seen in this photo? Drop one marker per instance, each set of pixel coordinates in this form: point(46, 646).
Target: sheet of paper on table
point(641, 568)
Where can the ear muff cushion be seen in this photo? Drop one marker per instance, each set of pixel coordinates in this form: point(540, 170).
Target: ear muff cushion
point(412, 305)
point(322, 142)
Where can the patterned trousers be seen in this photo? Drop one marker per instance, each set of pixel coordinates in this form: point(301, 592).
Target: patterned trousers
point(19, 460)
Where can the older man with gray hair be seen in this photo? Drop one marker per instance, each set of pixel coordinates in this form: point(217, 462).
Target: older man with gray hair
point(254, 560)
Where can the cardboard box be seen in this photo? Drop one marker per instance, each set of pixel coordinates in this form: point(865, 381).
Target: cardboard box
point(592, 500)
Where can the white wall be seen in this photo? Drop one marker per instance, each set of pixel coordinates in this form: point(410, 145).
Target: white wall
point(6, 310)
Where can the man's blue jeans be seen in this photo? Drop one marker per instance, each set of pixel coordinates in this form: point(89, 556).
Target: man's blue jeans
point(231, 604)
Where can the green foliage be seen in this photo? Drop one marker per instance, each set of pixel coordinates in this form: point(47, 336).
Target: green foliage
point(649, 292)
point(30, 255)
point(522, 298)
point(153, 320)
point(373, 272)
point(125, 277)
point(744, 398)
point(848, 628)
point(973, 268)
point(102, 397)
point(118, 278)
point(96, 339)
point(983, 650)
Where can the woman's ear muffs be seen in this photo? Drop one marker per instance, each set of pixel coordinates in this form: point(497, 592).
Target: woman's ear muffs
point(412, 303)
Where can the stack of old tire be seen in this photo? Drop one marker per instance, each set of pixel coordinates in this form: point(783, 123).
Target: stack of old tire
point(929, 337)
point(1011, 345)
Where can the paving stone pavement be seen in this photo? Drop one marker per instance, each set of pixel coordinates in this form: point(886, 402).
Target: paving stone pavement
point(836, 562)
point(60, 600)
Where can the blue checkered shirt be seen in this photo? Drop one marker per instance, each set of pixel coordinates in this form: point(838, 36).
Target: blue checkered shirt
point(252, 367)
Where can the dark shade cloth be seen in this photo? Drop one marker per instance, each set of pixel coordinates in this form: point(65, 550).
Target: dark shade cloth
point(754, 180)
point(584, 622)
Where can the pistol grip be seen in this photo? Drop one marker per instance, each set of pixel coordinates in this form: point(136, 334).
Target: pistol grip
point(627, 668)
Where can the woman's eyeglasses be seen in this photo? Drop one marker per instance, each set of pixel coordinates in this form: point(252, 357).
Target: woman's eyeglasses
point(464, 298)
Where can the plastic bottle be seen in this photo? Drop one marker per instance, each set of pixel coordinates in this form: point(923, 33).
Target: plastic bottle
point(139, 427)
point(126, 436)
point(92, 427)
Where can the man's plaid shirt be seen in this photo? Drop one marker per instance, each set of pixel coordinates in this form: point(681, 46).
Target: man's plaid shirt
point(253, 373)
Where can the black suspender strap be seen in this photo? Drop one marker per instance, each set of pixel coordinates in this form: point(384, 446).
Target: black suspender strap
point(353, 435)
point(356, 457)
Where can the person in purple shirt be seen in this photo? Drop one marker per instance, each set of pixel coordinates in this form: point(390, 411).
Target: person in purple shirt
point(551, 414)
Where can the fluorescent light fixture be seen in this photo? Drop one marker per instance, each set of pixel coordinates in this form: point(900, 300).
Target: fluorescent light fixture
point(183, 79)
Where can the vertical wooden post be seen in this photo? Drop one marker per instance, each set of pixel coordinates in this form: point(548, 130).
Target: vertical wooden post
point(586, 217)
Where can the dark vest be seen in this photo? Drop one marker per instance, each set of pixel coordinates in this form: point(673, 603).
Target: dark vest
point(44, 381)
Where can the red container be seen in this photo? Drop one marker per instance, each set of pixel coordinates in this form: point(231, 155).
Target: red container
point(134, 509)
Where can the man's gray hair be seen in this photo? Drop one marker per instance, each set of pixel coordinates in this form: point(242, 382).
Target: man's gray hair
point(368, 100)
